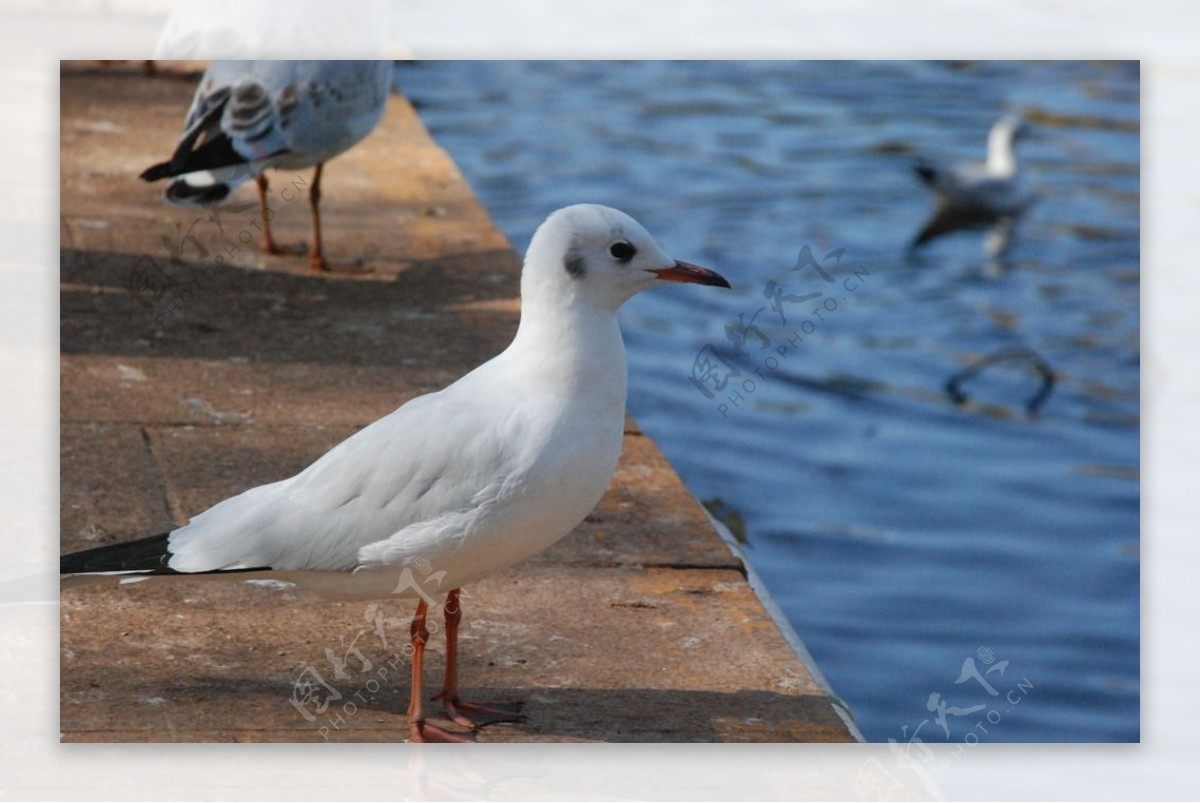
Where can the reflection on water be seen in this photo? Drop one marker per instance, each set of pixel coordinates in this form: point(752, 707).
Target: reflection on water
point(908, 537)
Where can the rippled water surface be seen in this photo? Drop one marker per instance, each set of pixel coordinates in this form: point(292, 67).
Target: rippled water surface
point(913, 542)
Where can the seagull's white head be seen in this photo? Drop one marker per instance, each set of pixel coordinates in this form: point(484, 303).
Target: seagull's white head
point(600, 257)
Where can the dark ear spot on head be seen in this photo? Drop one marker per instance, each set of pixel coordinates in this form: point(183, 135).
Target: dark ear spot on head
point(573, 262)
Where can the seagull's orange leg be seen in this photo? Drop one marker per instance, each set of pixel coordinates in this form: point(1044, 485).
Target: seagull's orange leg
point(470, 715)
point(264, 212)
point(269, 246)
point(316, 257)
point(421, 730)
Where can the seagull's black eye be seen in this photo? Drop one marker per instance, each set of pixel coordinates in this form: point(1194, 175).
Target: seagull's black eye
point(622, 251)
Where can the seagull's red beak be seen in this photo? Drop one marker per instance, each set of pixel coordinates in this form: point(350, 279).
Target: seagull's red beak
point(693, 274)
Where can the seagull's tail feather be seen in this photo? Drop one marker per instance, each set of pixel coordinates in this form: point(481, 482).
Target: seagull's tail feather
point(207, 170)
point(199, 187)
point(156, 172)
point(181, 191)
point(142, 557)
point(203, 185)
point(217, 149)
point(146, 559)
point(218, 153)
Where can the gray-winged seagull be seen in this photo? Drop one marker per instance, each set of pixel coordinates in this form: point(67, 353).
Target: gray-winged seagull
point(251, 115)
point(975, 195)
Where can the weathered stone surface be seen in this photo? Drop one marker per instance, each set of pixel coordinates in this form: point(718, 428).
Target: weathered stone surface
point(612, 655)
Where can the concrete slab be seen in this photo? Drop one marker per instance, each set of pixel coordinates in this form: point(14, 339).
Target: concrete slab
point(639, 626)
point(614, 655)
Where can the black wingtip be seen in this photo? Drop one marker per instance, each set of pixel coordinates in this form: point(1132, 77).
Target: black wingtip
point(156, 172)
point(144, 554)
point(927, 173)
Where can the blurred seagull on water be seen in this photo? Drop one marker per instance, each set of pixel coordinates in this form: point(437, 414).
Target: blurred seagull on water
point(983, 194)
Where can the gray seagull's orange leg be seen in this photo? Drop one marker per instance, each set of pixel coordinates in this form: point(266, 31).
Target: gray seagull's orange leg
point(264, 210)
point(316, 257)
point(269, 246)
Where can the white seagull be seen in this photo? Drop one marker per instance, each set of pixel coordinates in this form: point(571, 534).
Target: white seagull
point(459, 483)
point(251, 115)
point(980, 194)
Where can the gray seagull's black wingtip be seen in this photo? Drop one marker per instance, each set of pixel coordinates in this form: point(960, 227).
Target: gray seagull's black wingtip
point(156, 172)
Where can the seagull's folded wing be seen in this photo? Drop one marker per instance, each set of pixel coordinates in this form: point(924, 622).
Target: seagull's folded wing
point(429, 464)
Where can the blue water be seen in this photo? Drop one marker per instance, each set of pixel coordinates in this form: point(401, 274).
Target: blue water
point(912, 542)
